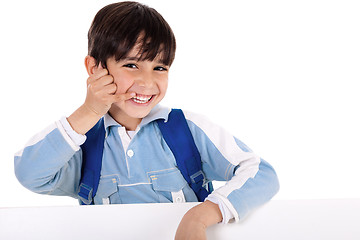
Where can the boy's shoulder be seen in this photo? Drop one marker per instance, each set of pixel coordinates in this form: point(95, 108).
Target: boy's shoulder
point(200, 120)
point(162, 112)
point(194, 119)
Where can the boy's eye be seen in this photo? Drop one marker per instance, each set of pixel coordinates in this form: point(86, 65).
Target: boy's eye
point(160, 69)
point(130, 65)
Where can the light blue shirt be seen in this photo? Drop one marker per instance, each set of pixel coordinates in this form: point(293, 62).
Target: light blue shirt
point(142, 169)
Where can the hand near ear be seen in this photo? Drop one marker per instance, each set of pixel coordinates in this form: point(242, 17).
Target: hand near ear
point(101, 91)
point(101, 94)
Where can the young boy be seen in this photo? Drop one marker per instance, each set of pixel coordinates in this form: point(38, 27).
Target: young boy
point(130, 50)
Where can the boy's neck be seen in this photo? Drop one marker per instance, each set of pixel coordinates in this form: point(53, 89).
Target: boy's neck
point(125, 120)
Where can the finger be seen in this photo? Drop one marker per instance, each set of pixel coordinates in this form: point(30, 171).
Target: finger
point(110, 89)
point(124, 96)
point(105, 80)
point(98, 85)
point(98, 73)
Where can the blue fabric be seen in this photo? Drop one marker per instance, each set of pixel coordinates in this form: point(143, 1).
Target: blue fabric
point(177, 135)
point(256, 191)
point(51, 164)
point(92, 158)
point(45, 166)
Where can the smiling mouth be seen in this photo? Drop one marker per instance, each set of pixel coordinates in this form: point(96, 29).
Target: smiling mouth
point(142, 99)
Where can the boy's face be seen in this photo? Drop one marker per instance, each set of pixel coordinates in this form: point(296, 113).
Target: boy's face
point(148, 79)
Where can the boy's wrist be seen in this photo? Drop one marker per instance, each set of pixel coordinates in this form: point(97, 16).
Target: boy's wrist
point(195, 222)
point(77, 139)
point(83, 119)
point(226, 213)
point(92, 110)
point(207, 213)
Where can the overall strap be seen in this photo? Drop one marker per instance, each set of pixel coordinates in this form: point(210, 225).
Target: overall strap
point(178, 137)
point(92, 153)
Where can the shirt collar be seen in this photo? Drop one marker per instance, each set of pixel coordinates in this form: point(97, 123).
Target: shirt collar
point(158, 112)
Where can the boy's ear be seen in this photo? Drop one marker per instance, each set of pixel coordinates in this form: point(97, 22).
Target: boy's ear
point(90, 64)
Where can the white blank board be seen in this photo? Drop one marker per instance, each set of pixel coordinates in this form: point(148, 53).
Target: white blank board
point(279, 219)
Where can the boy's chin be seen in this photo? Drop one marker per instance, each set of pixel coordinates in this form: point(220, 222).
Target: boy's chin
point(139, 112)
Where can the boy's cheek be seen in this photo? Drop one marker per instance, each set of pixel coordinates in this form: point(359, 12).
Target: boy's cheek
point(122, 86)
point(164, 89)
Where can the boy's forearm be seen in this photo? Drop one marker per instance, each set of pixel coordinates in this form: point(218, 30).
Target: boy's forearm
point(194, 223)
point(206, 213)
point(83, 119)
point(48, 164)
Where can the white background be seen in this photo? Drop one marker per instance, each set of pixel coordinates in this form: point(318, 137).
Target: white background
point(280, 75)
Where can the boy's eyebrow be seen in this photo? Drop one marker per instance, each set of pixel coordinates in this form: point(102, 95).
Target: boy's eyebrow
point(137, 59)
point(132, 58)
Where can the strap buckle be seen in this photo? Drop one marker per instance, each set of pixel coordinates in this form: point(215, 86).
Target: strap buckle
point(198, 177)
point(85, 194)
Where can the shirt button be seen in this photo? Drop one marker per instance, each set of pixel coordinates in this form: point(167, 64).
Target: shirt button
point(130, 153)
point(178, 200)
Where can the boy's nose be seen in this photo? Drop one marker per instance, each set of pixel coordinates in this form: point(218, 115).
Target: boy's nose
point(145, 81)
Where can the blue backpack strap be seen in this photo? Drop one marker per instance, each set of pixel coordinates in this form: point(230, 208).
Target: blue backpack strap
point(92, 153)
point(178, 137)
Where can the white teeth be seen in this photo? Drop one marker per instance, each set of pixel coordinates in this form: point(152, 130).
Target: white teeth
point(141, 99)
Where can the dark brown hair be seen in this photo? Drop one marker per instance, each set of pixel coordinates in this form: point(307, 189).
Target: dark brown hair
point(117, 27)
